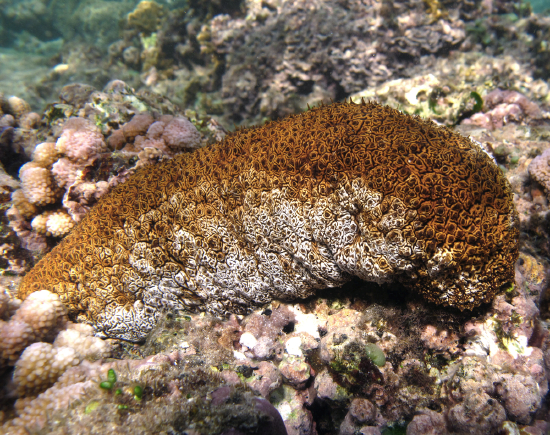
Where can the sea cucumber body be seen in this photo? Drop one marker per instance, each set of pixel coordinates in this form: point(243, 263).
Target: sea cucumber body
point(281, 210)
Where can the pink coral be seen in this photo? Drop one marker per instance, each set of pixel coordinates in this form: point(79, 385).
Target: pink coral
point(180, 133)
point(539, 169)
point(137, 126)
point(502, 107)
point(38, 318)
point(441, 341)
point(156, 129)
point(38, 184)
point(427, 422)
point(65, 172)
point(80, 140)
point(167, 134)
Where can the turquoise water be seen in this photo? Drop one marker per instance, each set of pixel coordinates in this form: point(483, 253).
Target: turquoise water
point(540, 6)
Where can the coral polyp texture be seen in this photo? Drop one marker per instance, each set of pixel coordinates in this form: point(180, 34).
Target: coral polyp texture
point(281, 210)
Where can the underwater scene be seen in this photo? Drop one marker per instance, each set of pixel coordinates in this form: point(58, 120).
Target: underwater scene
point(301, 217)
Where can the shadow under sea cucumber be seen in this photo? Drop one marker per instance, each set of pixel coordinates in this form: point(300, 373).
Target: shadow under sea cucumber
point(278, 211)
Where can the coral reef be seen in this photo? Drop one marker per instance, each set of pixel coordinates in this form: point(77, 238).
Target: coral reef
point(197, 54)
point(95, 140)
point(438, 359)
point(491, 381)
point(366, 358)
point(495, 379)
point(57, 387)
point(375, 45)
point(346, 189)
point(296, 64)
point(456, 89)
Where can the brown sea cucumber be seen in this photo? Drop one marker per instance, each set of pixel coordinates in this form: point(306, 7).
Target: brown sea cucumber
point(281, 210)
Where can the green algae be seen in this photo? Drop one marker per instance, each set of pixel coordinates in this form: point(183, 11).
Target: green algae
point(375, 354)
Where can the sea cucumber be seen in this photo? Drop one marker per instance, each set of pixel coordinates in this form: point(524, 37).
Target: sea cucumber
point(278, 211)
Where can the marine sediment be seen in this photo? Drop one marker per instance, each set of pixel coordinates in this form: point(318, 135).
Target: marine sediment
point(278, 211)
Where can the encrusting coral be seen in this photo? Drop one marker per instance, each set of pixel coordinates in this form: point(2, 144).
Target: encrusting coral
point(281, 210)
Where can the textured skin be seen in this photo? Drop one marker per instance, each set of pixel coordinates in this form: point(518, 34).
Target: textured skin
point(281, 210)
